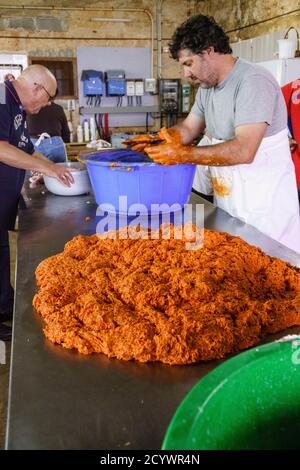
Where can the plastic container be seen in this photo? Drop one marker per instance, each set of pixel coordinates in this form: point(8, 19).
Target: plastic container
point(86, 129)
point(81, 183)
point(287, 48)
point(70, 126)
point(251, 401)
point(93, 128)
point(79, 134)
point(155, 188)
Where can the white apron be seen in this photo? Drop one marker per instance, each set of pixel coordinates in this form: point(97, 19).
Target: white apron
point(262, 193)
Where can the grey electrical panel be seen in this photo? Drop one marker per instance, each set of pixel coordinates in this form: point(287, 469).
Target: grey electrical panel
point(169, 95)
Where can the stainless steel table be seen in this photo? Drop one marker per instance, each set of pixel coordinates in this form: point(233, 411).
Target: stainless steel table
point(59, 399)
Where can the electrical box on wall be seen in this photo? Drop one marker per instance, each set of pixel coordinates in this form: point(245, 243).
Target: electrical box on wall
point(151, 86)
point(130, 88)
point(92, 82)
point(139, 87)
point(115, 83)
point(169, 95)
point(135, 63)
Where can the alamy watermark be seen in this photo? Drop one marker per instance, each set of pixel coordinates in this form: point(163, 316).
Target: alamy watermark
point(160, 221)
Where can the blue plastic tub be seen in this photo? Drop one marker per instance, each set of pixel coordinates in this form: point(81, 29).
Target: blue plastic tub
point(151, 186)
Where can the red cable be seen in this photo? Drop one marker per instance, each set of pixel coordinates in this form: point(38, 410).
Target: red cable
point(106, 128)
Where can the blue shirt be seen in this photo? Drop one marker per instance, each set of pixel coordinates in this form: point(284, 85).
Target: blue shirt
point(13, 129)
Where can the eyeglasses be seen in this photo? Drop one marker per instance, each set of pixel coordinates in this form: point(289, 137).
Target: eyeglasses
point(51, 98)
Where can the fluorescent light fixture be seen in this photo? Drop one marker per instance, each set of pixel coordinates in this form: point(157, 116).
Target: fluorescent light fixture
point(111, 20)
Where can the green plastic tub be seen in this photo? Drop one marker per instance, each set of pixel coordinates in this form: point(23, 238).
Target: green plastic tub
point(251, 401)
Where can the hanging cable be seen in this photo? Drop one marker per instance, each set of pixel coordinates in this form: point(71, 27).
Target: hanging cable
point(97, 125)
point(263, 21)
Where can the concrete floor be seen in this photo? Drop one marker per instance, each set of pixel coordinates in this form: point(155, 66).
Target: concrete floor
point(4, 368)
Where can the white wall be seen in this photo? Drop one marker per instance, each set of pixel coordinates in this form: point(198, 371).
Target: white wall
point(261, 48)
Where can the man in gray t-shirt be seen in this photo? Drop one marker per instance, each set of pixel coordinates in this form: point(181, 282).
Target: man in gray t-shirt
point(249, 94)
point(237, 102)
point(244, 158)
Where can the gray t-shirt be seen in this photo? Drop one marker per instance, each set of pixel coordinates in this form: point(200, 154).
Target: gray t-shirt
point(249, 94)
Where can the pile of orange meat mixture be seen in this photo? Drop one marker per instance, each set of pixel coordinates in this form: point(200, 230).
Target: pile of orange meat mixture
point(156, 300)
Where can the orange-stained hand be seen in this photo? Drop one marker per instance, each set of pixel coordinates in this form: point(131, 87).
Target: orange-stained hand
point(139, 142)
point(170, 135)
point(142, 139)
point(150, 143)
point(139, 147)
point(170, 154)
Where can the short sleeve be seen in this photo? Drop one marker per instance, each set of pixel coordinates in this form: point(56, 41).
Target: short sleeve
point(198, 108)
point(255, 102)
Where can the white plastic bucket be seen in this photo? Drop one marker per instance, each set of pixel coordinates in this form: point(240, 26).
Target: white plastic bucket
point(287, 48)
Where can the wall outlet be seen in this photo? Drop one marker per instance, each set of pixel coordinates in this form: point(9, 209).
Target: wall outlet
point(151, 86)
point(71, 105)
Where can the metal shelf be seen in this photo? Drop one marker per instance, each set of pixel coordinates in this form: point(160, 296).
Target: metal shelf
point(119, 110)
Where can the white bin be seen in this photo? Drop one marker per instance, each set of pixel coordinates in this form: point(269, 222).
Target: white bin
point(287, 48)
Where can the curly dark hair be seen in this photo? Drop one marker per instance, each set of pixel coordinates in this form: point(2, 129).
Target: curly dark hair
point(197, 34)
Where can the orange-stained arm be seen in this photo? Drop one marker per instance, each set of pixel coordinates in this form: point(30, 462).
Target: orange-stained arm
point(191, 128)
point(241, 149)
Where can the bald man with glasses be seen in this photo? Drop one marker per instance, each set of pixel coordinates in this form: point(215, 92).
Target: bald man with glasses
point(30, 92)
point(50, 97)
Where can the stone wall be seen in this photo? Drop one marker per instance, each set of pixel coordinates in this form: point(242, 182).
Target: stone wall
point(58, 32)
point(245, 19)
point(39, 30)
